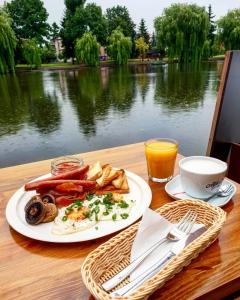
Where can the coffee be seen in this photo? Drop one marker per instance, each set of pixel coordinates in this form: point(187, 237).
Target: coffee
point(201, 176)
point(203, 166)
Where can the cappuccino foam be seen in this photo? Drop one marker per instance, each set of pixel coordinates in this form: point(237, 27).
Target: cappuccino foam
point(203, 166)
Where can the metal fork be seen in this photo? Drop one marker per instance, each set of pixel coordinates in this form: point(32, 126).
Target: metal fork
point(224, 191)
point(176, 233)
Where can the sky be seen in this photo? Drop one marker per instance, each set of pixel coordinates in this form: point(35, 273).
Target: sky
point(148, 10)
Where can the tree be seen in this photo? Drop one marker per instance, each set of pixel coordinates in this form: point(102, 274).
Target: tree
point(96, 22)
point(48, 53)
point(182, 30)
point(212, 28)
point(118, 16)
point(31, 53)
point(142, 46)
point(229, 30)
point(54, 31)
point(73, 25)
point(87, 49)
point(29, 19)
point(153, 41)
point(142, 31)
point(119, 47)
point(7, 42)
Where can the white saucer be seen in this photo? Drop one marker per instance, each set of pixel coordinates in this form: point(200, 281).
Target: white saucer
point(174, 189)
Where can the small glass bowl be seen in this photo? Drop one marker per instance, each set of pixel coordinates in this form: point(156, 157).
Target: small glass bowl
point(65, 164)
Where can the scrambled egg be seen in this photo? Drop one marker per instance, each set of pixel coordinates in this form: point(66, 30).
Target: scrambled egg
point(79, 217)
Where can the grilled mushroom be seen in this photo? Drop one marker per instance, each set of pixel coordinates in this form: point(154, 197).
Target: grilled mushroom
point(33, 199)
point(51, 212)
point(48, 198)
point(35, 212)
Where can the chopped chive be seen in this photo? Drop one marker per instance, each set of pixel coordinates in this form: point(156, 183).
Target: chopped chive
point(114, 217)
point(89, 197)
point(106, 213)
point(64, 218)
point(123, 204)
point(124, 216)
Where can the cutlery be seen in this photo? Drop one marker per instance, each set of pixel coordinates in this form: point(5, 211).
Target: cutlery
point(224, 191)
point(151, 271)
point(175, 234)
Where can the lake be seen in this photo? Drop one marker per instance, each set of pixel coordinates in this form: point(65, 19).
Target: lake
point(46, 114)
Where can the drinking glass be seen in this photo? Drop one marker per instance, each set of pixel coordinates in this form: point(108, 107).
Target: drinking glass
point(161, 155)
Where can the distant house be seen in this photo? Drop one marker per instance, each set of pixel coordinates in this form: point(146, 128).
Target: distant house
point(57, 42)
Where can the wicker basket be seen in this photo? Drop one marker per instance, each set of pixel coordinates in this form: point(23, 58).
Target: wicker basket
point(112, 256)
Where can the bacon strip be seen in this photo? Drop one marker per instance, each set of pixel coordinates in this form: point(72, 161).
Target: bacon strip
point(48, 184)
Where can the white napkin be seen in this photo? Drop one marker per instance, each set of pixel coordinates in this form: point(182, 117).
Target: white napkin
point(152, 228)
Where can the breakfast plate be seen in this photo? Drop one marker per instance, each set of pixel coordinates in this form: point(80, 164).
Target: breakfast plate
point(174, 190)
point(140, 192)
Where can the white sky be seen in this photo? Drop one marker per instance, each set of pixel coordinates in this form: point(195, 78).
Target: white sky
point(147, 9)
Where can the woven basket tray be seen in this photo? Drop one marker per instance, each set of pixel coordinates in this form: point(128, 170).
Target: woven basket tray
point(112, 256)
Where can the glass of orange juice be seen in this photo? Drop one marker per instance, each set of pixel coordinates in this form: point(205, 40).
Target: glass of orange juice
point(161, 156)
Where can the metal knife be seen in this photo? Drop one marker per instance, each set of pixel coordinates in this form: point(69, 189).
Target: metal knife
point(176, 248)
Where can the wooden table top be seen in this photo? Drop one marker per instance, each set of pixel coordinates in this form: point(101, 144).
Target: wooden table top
point(31, 269)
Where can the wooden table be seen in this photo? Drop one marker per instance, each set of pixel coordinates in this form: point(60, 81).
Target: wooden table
point(31, 269)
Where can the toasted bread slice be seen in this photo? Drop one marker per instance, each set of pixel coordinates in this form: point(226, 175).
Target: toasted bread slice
point(119, 179)
point(95, 171)
point(105, 173)
point(125, 185)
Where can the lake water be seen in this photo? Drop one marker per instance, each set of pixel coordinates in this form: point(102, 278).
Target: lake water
point(53, 113)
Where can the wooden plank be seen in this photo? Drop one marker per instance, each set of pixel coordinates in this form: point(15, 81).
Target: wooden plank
point(31, 269)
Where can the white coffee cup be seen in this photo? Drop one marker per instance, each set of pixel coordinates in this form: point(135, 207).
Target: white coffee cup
point(201, 176)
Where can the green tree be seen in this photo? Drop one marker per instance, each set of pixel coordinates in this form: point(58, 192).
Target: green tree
point(119, 47)
point(142, 31)
point(118, 16)
point(73, 25)
point(54, 31)
point(48, 53)
point(142, 46)
point(87, 49)
point(153, 41)
point(31, 53)
point(29, 19)
point(229, 30)
point(96, 22)
point(182, 30)
point(212, 28)
point(7, 42)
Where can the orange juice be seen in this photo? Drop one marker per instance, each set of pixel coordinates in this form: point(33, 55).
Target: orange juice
point(161, 155)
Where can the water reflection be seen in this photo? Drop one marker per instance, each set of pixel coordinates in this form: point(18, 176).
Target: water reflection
point(95, 92)
point(23, 101)
point(181, 87)
point(65, 112)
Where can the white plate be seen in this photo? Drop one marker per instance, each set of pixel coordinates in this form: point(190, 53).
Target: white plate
point(174, 189)
point(139, 191)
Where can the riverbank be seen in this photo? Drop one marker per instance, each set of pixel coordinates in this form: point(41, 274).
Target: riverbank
point(109, 63)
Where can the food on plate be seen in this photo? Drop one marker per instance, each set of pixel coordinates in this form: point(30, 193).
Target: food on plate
point(40, 209)
point(76, 174)
point(48, 198)
point(51, 212)
point(95, 171)
point(44, 184)
point(35, 212)
point(78, 199)
point(82, 215)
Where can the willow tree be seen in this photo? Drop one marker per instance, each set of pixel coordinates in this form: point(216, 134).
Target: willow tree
point(229, 30)
point(182, 30)
point(119, 47)
point(87, 49)
point(7, 43)
point(31, 53)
